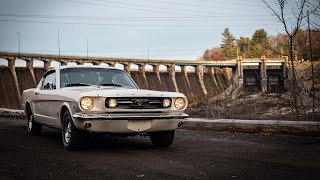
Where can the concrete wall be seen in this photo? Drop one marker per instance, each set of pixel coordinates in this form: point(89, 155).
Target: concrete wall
point(209, 78)
point(187, 83)
point(8, 90)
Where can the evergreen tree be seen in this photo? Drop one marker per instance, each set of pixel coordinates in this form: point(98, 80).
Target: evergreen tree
point(229, 49)
point(259, 43)
point(244, 43)
point(257, 50)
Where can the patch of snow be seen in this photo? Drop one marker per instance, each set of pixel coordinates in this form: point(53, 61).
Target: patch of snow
point(11, 110)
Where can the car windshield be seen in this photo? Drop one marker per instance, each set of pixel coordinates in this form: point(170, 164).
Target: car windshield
point(95, 76)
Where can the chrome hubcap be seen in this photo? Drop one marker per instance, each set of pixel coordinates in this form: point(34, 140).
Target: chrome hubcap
point(67, 134)
point(30, 122)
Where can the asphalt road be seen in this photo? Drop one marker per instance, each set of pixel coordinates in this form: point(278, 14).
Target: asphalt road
point(194, 155)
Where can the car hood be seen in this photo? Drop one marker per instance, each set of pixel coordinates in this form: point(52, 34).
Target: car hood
point(123, 92)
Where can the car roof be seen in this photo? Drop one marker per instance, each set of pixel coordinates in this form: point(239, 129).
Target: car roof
point(83, 66)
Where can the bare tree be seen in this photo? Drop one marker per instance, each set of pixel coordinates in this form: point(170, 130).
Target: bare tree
point(316, 19)
point(312, 68)
point(300, 10)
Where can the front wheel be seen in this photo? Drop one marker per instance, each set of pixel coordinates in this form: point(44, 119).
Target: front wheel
point(33, 127)
point(72, 138)
point(162, 139)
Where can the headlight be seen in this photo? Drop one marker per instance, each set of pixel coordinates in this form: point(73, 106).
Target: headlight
point(180, 103)
point(112, 103)
point(166, 102)
point(86, 103)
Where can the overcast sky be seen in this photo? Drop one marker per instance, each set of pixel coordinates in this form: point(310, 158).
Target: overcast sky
point(180, 29)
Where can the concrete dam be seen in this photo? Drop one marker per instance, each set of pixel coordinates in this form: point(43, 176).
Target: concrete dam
point(207, 80)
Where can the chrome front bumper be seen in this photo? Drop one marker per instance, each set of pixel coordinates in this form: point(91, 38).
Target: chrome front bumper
point(128, 123)
point(122, 116)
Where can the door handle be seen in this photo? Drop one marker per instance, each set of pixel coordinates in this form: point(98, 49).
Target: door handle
point(36, 93)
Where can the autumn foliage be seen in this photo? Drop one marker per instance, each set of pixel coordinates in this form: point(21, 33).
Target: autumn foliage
point(260, 44)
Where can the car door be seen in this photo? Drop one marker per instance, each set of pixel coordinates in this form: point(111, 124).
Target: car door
point(46, 102)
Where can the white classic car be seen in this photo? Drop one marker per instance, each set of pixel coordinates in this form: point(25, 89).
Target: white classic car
point(99, 99)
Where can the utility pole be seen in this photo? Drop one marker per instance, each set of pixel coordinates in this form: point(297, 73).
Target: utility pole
point(148, 54)
point(19, 40)
point(59, 42)
point(87, 48)
point(59, 50)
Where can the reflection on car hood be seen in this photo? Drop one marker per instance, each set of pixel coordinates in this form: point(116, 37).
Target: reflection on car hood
point(124, 92)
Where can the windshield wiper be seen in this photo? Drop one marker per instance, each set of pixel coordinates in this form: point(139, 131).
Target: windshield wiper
point(78, 84)
point(118, 85)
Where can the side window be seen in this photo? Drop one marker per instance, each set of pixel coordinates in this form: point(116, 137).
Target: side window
point(49, 81)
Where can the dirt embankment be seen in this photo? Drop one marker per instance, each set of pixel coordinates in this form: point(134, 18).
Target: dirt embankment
point(277, 106)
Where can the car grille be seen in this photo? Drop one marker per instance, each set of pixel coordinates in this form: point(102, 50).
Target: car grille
point(137, 103)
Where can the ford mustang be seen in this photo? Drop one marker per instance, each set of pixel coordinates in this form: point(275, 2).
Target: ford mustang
point(82, 99)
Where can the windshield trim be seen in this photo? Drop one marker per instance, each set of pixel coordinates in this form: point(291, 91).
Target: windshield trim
point(102, 68)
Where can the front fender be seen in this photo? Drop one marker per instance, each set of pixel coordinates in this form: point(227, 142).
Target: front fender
point(24, 107)
point(69, 108)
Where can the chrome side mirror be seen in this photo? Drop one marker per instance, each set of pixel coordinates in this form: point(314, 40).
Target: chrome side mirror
point(48, 86)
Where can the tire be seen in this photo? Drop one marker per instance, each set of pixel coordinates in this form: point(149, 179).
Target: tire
point(162, 139)
point(72, 138)
point(32, 127)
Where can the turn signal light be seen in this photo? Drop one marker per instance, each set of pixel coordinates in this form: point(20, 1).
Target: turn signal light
point(166, 102)
point(87, 125)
